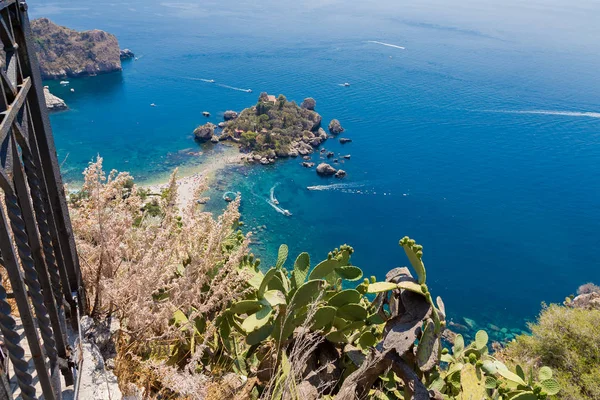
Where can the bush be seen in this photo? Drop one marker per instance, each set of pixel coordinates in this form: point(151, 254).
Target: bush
point(567, 340)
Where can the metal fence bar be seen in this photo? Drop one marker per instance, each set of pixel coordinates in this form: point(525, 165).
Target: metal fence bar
point(45, 144)
point(37, 246)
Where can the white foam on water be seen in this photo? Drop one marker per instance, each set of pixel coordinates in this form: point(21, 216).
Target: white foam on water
point(336, 186)
point(386, 44)
point(234, 88)
point(272, 200)
point(549, 112)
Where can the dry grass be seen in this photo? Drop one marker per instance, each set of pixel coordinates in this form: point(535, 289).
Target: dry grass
point(129, 258)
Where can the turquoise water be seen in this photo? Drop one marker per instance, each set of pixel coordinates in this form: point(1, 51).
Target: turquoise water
point(480, 139)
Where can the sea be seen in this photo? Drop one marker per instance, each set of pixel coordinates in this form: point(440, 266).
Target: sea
point(475, 130)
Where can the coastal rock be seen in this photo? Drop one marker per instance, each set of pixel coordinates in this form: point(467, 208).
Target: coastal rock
point(65, 52)
point(221, 125)
point(325, 169)
point(345, 140)
point(590, 301)
point(308, 164)
point(322, 134)
point(340, 173)
point(306, 158)
point(330, 154)
point(214, 139)
point(304, 148)
point(316, 120)
point(309, 103)
point(293, 153)
point(126, 54)
point(229, 115)
point(53, 103)
point(335, 127)
point(204, 132)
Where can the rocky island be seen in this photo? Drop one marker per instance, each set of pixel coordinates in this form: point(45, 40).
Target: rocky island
point(273, 128)
point(53, 103)
point(64, 52)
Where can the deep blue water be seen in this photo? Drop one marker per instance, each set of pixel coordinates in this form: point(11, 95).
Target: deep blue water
point(506, 202)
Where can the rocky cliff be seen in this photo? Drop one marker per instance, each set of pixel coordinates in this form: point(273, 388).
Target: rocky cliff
point(64, 52)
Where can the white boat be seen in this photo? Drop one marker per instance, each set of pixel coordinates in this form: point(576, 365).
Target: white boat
point(248, 90)
point(72, 90)
point(346, 84)
point(64, 82)
point(152, 105)
point(211, 81)
point(287, 213)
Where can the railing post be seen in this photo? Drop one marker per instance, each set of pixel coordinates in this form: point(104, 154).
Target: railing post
point(42, 133)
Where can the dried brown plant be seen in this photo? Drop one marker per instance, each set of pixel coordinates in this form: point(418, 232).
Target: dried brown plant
point(129, 257)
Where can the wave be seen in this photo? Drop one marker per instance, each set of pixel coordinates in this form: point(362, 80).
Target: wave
point(386, 44)
point(549, 112)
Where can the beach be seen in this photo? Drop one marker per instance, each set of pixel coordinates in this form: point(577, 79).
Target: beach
point(191, 177)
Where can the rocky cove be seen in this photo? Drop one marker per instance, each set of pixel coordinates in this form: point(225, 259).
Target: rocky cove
point(276, 128)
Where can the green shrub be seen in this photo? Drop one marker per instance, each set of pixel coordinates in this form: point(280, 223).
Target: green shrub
point(567, 340)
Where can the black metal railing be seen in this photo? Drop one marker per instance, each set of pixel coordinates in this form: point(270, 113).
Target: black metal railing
point(37, 248)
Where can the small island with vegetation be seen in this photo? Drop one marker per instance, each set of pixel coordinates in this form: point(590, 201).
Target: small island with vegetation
point(273, 128)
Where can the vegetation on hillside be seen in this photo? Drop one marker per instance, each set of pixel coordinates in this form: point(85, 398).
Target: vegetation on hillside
point(64, 52)
point(200, 318)
point(568, 340)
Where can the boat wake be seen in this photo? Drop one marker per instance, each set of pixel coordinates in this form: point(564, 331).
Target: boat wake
point(549, 112)
point(386, 44)
point(336, 186)
point(234, 88)
point(199, 79)
point(273, 202)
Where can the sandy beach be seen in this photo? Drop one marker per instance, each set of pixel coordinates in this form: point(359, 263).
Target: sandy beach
point(187, 184)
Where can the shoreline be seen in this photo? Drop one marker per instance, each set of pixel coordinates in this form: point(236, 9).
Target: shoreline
point(189, 177)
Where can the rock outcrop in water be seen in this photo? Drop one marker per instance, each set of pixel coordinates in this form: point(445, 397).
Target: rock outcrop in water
point(64, 52)
point(325, 169)
point(204, 132)
point(335, 127)
point(126, 54)
point(53, 103)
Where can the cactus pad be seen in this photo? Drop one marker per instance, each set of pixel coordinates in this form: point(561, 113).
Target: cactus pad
point(428, 348)
point(323, 317)
point(345, 297)
point(307, 293)
point(550, 386)
point(257, 320)
point(473, 386)
point(281, 256)
point(379, 287)
point(301, 267)
point(352, 312)
point(349, 272)
point(323, 269)
point(544, 373)
point(274, 297)
point(459, 345)
point(246, 307)
point(481, 339)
